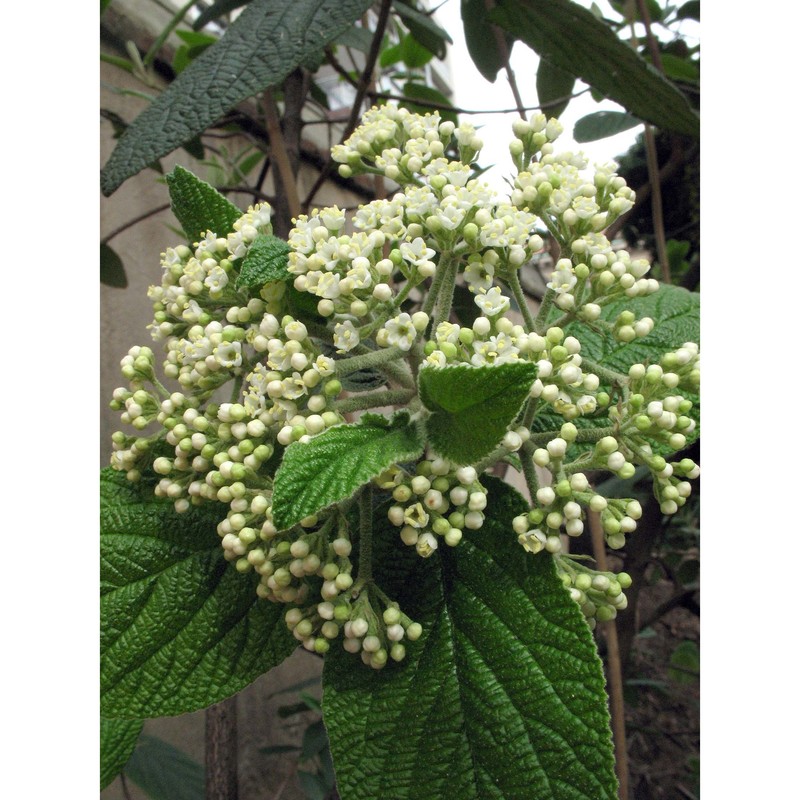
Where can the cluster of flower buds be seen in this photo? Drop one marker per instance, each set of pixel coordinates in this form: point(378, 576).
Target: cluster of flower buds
point(599, 594)
point(437, 502)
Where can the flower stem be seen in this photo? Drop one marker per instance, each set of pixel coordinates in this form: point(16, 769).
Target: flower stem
point(444, 302)
point(585, 435)
point(374, 358)
point(384, 397)
point(365, 535)
point(540, 323)
point(433, 292)
point(528, 469)
point(519, 296)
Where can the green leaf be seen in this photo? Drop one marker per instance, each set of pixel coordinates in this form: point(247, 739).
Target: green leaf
point(357, 38)
point(265, 262)
point(601, 124)
point(553, 84)
point(480, 38)
point(502, 698)
point(569, 37)
point(117, 740)
point(164, 772)
point(413, 53)
point(313, 785)
point(112, 272)
point(198, 206)
point(685, 662)
point(331, 466)
point(315, 739)
point(472, 406)
point(259, 49)
point(419, 91)
point(423, 29)
point(690, 10)
point(180, 627)
point(216, 10)
point(680, 69)
point(676, 313)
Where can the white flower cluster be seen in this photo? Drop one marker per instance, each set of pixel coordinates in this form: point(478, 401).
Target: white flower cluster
point(599, 594)
point(439, 501)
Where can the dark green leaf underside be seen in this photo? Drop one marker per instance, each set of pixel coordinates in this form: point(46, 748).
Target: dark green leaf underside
point(180, 627)
point(502, 697)
point(259, 49)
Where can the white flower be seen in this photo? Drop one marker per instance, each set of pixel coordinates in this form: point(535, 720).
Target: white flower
point(416, 252)
point(400, 331)
point(229, 354)
point(479, 275)
point(345, 336)
point(216, 280)
point(562, 280)
point(492, 302)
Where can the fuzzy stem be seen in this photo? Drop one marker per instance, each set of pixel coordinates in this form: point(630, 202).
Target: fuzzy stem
point(603, 372)
point(361, 402)
point(444, 301)
point(438, 277)
point(540, 322)
point(585, 435)
point(522, 302)
point(374, 358)
point(528, 469)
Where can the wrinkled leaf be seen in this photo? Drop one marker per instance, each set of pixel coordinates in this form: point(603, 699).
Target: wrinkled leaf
point(198, 206)
point(472, 406)
point(117, 740)
point(502, 698)
point(259, 49)
point(216, 10)
point(265, 262)
point(331, 466)
point(181, 629)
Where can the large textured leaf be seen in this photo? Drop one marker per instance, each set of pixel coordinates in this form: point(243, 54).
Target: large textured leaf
point(676, 313)
point(502, 698)
point(334, 464)
point(117, 740)
point(164, 772)
point(570, 37)
point(180, 627)
point(199, 207)
point(472, 406)
point(260, 48)
point(265, 262)
point(112, 272)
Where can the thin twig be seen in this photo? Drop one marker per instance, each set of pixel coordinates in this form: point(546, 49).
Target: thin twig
point(221, 751)
point(280, 155)
point(613, 667)
point(125, 790)
point(361, 91)
point(502, 46)
point(152, 212)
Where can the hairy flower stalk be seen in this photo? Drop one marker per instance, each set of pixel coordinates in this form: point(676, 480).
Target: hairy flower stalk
point(289, 376)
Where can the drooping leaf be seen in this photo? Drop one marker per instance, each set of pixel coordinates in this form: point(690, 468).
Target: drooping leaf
point(164, 772)
point(690, 10)
point(216, 10)
point(112, 272)
point(198, 206)
point(423, 28)
point(680, 69)
point(472, 406)
point(553, 87)
point(259, 49)
point(570, 37)
point(419, 91)
point(601, 124)
point(480, 38)
point(180, 627)
point(356, 37)
point(331, 466)
point(265, 262)
point(117, 740)
point(502, 698)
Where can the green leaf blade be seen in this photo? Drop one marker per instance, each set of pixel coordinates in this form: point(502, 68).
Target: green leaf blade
point(552, 85)
point(570, 37)
point(480, 38)
point(601, 124)
point(259, 49)
point(180, 627)
point(502, 696)
point(472, 406)
point(333, 465)
point(265, 262)
point(112, 271)
point(164, 772)
point(118, 738)
point(198, 206)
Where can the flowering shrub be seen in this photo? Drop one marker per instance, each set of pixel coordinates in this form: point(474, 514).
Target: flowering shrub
point(337, 424)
